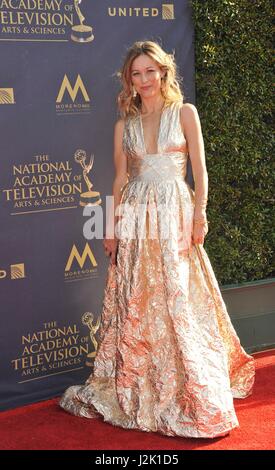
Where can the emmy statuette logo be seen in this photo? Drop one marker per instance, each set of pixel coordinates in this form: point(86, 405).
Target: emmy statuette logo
point(89, 198)
point(88, 320)
point(81, 32)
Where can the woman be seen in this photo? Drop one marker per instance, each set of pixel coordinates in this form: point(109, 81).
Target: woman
point(169, 359)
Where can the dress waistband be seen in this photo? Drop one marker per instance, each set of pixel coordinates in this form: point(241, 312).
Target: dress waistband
point(164, 168)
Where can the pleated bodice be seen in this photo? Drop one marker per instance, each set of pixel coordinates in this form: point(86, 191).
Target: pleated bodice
point(170, 161)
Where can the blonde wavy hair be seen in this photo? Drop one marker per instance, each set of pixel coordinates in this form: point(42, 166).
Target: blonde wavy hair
point(128, 104)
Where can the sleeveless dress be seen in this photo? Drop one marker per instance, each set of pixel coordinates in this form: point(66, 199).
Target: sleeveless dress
point(169, 359)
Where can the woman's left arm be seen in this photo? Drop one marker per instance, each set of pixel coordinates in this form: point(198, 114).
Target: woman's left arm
point(192, 129)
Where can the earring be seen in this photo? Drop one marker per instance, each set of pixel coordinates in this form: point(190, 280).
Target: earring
point(134, 92)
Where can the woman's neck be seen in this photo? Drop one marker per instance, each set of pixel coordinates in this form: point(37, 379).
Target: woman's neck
point(152, 106)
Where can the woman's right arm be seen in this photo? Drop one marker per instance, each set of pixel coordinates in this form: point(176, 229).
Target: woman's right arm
point(120, 163)
point(121, 178)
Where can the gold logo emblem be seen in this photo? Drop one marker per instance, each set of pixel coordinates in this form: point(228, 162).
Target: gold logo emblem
point(80, 258)
point(79, 85)
point(6, 96)
point(17, 271)
point(168, 11)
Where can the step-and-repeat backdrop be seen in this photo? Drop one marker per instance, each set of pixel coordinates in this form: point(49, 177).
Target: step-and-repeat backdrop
point(58, 89)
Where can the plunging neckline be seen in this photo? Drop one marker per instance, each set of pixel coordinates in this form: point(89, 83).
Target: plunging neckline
point(158, 135)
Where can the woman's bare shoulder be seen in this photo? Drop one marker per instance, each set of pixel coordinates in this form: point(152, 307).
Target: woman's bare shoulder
point(119, 125)
point(120, 122)
point(188, 108)
point(188, 113)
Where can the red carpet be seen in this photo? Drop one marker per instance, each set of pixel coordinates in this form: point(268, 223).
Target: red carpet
point(46, 426)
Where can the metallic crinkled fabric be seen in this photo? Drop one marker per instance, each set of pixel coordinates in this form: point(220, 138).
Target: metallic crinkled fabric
point(169, 359)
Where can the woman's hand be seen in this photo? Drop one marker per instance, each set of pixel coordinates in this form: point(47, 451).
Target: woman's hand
point(110, 248)
point(199, 231)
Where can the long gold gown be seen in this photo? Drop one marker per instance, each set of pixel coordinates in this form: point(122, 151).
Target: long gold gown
point(169, 359)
